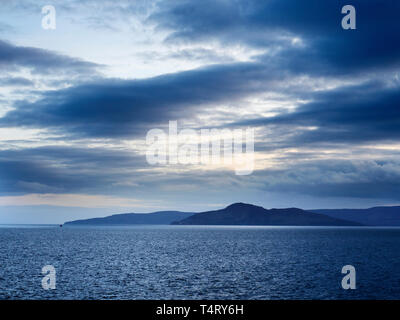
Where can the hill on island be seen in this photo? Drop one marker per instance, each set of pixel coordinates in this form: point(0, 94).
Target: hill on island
point(376, 216)
point(247, 214)
point(160, 217)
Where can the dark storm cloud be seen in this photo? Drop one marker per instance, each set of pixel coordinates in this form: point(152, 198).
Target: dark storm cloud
point(350, 114)
point(41, 61)
point(65, 169)
point(267, 24)
point(113, 108)
point(108, 171)
point(371, 179)
point(57, 169)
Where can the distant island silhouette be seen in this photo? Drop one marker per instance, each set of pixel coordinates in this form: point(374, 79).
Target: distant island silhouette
point(248, 214)
point(160, 217)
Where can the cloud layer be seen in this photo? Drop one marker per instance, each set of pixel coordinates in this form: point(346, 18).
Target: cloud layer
point(324, 101)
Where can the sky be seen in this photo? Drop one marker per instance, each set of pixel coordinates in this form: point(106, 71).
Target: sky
point(77, 102)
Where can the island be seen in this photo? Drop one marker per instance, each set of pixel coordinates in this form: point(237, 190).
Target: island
point(234, 214)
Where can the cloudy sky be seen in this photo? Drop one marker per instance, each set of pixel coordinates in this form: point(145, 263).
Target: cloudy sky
point(77, 102)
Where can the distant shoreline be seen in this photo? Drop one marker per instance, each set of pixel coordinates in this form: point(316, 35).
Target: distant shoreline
point(243, 214)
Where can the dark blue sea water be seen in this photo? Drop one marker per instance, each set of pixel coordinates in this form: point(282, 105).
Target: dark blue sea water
point(181, 262)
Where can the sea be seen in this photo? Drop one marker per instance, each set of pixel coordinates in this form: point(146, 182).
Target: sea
point(198, 262)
